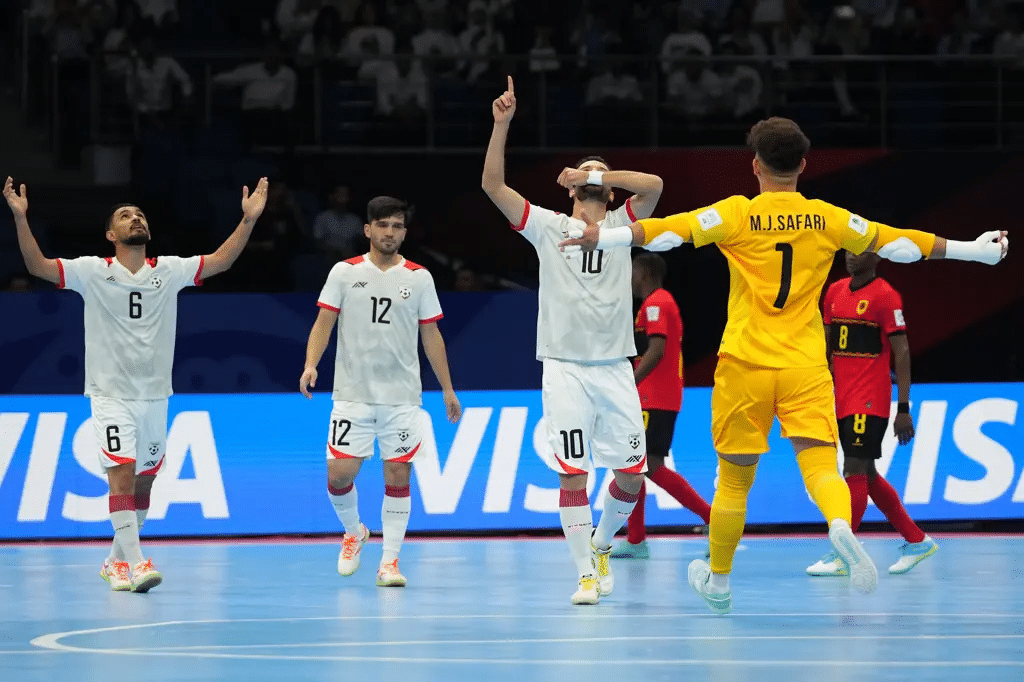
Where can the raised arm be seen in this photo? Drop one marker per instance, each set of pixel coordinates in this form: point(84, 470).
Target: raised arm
point(37, 264)
point(433, 348)
point(508, 201)
point(646, 188)
point(319, 337)
point(225, 256)
point(908, 246)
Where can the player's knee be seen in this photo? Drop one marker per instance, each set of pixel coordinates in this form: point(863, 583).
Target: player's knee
point(121, 479)
point(572, 481)
point(397, 473)
point(629, 483)
point(853, 466)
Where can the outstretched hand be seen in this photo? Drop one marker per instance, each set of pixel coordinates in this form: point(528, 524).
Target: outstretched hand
point(504, 107)
point(17, 201)
point(253, 204)
point(582, 240)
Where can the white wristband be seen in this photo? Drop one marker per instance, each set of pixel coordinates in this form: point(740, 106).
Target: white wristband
point(615, 236)
point(595, 178)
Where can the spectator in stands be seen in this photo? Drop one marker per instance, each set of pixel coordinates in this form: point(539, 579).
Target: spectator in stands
point(151, 80)
point(337, 230)
point(960, 40)
point(613, 90)
point(325, 41)
point(119, 41)
point(543, 56)
point(162, 14)
point(295, 18)
point(594, 37)
point(742, 87)
point(794, 38)
point(686, 40)
point(480, 39)
point(369, 39)
point(746, 40)
point(402, 101)
point(844, 34)
point(437, 44)
point(67, 31)
point(693, 90)
point(1009, 44)
point(268, 94)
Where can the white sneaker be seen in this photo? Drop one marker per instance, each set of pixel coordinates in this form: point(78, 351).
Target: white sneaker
point(118, 575)
point(863, 574)
point(589, 591)
point(348, 557)
point(605, 578)
point(388, 575)
point(913, 553)
point(145, 576)
point(699, 577)
point(829, 565)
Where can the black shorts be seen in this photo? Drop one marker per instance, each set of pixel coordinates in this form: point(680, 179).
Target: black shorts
point(660, 426)
point(861, 435)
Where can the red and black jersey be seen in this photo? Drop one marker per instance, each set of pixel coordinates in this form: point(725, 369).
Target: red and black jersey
point(860, 324)
point(662, 389)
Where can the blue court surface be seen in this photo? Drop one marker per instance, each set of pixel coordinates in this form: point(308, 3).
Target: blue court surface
point(498, 609)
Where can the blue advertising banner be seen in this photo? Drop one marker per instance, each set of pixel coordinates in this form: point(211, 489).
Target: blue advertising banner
point(254, 464)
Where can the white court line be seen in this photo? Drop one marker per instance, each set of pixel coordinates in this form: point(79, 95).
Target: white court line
point(571, 640)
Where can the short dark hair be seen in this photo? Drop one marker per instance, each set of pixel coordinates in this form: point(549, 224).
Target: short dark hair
point(114, 210)
point(380, 208)
point(779, 143)
point(653, 264)
point(593, 157)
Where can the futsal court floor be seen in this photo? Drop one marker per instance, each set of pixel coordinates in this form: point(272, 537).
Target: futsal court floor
point(492, 610)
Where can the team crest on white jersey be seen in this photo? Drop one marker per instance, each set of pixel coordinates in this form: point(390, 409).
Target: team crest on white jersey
point(154, 448)
point(405, 292)
point(155, 282)
point(403, 435)
point(634, 440)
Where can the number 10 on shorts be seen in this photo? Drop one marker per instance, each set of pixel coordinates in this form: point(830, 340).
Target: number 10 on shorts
point(572, 444)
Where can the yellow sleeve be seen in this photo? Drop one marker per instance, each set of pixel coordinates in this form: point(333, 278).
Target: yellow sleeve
point(855, 233)
point(709, 225)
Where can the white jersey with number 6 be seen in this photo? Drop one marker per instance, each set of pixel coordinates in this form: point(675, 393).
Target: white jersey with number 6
point(379, 314)
point(585, 299)
point(130, 321)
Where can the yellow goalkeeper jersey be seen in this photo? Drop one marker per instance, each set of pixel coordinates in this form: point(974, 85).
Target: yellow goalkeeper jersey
point(780, 247)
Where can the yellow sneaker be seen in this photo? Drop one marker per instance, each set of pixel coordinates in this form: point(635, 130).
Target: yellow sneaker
point(388, 575)
point(351, 545)
point(145, 576)
point(589, 591)
point(118, 575)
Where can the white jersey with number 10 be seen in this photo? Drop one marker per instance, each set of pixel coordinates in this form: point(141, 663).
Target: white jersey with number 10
point(379, 314)
point(585, 299)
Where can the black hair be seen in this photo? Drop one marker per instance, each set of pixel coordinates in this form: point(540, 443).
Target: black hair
point(779, 143)
point(114, 210)
point(653, 264)
point(380, 208)
point(592, 158)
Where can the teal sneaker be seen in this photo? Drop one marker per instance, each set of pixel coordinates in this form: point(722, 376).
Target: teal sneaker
point(863, 574)
point(913, 553)
point(829, 565)
point(627, 550)
point(699, 575)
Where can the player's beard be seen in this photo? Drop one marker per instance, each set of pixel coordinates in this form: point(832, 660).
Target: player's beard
point(388, 249)
point(594, 193)
point(140, 239)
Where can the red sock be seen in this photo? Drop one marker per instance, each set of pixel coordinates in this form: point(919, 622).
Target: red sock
point(858, 498)
point(888, 501)
point(636, 525)
point(676, 486)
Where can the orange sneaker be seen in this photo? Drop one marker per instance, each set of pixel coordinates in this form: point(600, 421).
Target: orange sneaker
point(118, 575)
point(351, 546)
point(145, 576)
point(388, 575)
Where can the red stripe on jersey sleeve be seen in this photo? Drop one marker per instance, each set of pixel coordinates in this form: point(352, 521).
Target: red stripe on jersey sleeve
point(198, 280)
point(60, 267)
point(413, 266)
point(433, 319)
point(629, 209)
point(522, 223)
point(328, 307)
point(354, 261)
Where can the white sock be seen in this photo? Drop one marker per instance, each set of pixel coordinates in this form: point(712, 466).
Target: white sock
point(115, 549)
point(126, 529)
point(140, 517)
point(719, 582)
point(578, 525)
point(394, 516)
point(346, 506)
point(618, 505)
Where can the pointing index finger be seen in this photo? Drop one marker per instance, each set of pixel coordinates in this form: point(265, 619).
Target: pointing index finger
point(511, 88)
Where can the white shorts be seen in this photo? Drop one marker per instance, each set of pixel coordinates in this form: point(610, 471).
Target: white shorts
point(354, 427)
point(131, 431)
point(596, 406)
